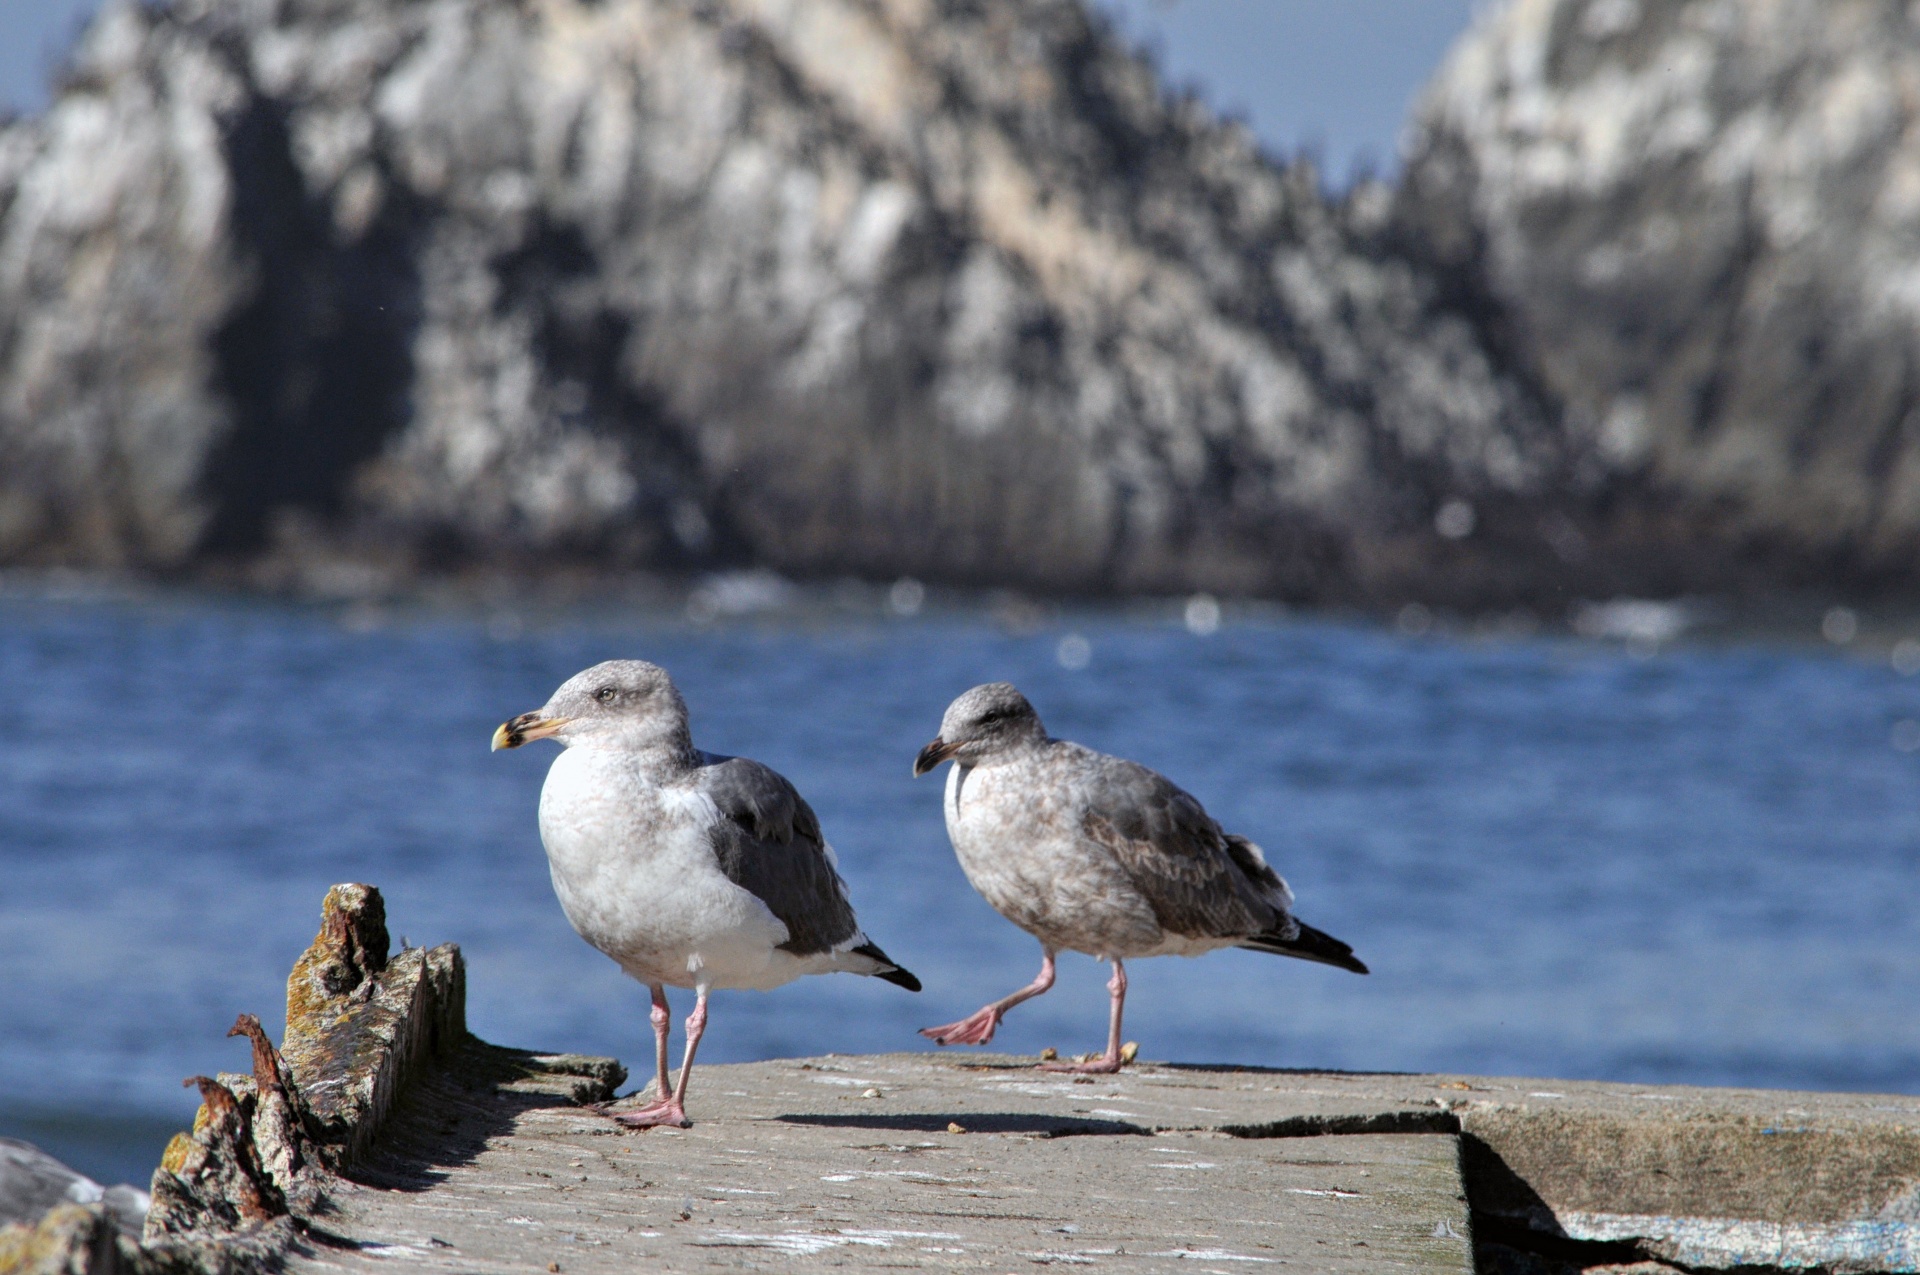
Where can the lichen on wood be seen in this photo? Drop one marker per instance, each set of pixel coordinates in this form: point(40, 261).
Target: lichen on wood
point(221, 1184)
point(361, 1025)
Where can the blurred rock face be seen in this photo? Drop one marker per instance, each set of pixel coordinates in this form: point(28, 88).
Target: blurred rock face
point(881, 286)
point(952, 289)
point(1695, 225)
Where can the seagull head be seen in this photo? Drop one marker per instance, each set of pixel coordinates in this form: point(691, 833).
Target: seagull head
point(624, 704)
point(986, 721)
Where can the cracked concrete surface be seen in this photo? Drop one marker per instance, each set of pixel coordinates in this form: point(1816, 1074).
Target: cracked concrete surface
point(855, 1162)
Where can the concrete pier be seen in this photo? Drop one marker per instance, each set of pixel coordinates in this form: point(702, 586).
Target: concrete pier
point(957, 1162)
point(387, 1134)
point(897, 1161)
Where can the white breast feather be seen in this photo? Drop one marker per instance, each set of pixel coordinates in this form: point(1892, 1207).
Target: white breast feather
point(1028, 856)
point(634, 870)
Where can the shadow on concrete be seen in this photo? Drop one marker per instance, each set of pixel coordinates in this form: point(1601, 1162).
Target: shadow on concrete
point(1255, 1069)
point(1319, 1126)
point(1044, 1126)
point(447, 1116)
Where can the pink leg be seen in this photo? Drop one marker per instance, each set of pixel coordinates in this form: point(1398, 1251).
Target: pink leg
point(661, 1023)
point(978, 1028)
point(661, 1085)
point(1111, 1062)
point(672, 1110)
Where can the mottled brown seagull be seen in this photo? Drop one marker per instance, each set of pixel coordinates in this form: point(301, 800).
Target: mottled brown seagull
point(687, 868)
point(1096, 854)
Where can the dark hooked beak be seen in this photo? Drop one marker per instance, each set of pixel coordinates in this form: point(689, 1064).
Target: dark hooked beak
point(932, 755)
point(526, 728)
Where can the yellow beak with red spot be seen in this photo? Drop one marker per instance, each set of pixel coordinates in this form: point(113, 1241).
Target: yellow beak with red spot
point(526, 728)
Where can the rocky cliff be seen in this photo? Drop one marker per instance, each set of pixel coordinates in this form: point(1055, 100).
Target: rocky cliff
point(954, 288)
point(877, 286)
point(1694, 226)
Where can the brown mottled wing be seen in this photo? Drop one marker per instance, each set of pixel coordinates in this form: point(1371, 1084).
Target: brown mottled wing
point(768, 843)
point(1200, 881)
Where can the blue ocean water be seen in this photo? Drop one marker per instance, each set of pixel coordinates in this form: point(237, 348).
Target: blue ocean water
point(1559, 858)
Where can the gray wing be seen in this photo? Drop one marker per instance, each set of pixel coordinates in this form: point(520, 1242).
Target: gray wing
point(768, 843)
point(1201, 881)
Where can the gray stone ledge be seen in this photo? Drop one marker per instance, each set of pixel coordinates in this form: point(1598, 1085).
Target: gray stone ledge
point(387, 1132)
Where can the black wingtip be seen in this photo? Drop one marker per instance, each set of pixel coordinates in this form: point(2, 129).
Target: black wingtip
point(892, 973)
point(1310, 945)
point(901, 978)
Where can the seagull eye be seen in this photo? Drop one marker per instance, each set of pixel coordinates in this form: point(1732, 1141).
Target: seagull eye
point(606, 695)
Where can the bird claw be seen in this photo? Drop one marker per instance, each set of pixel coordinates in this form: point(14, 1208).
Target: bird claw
point(1100, 1066)
point(976, 1029)
point(650, 1117)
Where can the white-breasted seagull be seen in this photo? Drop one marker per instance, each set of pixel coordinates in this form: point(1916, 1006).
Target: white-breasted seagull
point(687, 868)
point(1096, 854)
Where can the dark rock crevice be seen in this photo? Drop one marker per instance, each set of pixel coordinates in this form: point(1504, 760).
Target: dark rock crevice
point(316, 363)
